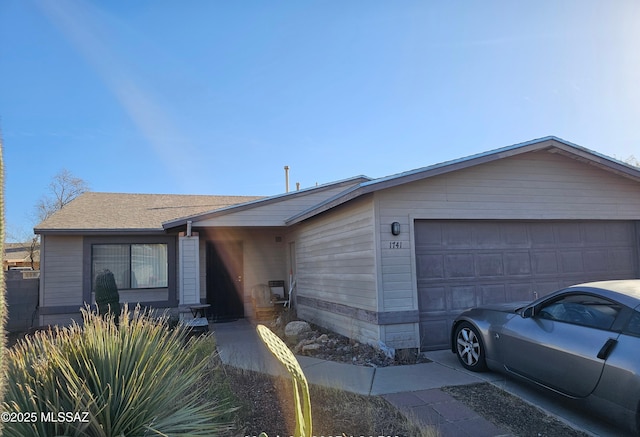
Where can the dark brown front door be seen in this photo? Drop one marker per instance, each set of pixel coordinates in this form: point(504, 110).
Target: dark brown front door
point(224, 280)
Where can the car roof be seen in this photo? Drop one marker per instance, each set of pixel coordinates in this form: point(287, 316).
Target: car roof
point(627, 291)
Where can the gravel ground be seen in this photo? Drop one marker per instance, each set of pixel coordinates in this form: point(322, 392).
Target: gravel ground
point(510, 412)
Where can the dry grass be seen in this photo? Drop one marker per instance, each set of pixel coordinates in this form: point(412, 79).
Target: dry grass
point(266, 405)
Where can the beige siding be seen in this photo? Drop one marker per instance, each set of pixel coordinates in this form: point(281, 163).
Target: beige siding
point(61, 272)
point(273, 214)
point(538, 185)
point(336, 264)
point(336, 256)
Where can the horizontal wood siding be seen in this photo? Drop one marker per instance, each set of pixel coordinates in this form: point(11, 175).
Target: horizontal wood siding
point(61, 274)
point(537, 185)
point(336, 262)
point(336, 257)
point(273, 214)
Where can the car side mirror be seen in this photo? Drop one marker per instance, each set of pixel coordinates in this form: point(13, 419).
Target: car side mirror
point(528, 312)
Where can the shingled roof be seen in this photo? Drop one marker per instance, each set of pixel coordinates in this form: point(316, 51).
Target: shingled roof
point(102, 212)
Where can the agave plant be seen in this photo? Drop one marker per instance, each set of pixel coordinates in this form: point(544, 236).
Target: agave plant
point(136, 379)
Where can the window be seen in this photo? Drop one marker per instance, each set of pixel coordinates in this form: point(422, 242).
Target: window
point(634, 324)
point(582, 309)
point(133, 265)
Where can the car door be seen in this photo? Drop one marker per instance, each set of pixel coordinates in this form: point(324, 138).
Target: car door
point(563, 344)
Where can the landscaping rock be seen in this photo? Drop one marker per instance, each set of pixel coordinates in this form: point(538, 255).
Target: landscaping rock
point(296, 329)
point(311, 347)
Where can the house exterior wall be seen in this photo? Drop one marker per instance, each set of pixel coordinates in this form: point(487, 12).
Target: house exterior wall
point(532, 186)
point(65, 276)
point(336, 271)
point(61, 277)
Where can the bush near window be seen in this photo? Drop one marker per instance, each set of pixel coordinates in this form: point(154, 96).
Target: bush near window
point(138, 379)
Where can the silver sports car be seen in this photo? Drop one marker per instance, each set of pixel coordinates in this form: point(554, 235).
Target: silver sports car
point(582, 342)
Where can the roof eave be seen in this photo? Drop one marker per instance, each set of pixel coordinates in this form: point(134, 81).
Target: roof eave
point(259, 202)
point(551, 143)
point(130, 231)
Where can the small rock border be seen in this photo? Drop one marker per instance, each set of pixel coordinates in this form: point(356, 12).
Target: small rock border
point(310, 340)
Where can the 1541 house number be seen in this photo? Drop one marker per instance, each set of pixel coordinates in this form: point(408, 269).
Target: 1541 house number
point(395, 244)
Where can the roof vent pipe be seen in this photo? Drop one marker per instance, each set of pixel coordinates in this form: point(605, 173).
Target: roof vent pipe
point(297, 186)
point(286, 177)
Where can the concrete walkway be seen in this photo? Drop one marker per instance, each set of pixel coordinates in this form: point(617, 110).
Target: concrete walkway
point(413, 389)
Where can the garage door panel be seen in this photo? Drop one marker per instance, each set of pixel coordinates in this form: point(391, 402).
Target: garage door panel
point(457, 235)
point(571, 261)
point(544, 263)
point(461, 264)
point(567, 234)
point(435, 332)
point(621, 260)
point(432, 299)
point(618, 233)
point(542, 234)
point(596, 260)
point(515, 234)
point(430, 266)
point(488, 236)
point(493, 293)
point(518, 263)
point(462, 297)
point(489, 264)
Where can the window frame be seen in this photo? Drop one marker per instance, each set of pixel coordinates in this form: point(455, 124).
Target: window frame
point(151, 238)
point(584, 296)
point(130, 268)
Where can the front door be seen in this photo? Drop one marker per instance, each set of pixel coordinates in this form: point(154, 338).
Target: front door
point(224, 280)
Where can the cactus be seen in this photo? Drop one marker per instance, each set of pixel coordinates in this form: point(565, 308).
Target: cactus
point(3, 308)
point(107, 297)
point(300, 385)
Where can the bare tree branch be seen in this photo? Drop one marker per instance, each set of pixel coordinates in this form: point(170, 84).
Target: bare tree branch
point(64, 187)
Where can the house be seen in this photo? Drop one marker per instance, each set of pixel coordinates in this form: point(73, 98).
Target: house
point(21, 256)
point(386, 261)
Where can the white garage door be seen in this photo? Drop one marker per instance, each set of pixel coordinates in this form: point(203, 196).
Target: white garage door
point(461, 264)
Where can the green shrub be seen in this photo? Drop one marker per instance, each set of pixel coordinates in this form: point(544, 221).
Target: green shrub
point(136, 379)
point(107, 296)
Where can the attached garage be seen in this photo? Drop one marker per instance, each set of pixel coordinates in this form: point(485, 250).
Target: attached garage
point(464, 263)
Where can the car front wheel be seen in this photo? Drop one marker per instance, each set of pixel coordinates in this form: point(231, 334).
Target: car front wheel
point(470, 348)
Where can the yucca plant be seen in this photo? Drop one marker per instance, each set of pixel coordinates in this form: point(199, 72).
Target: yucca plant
point(138, 379)
point(300, 386)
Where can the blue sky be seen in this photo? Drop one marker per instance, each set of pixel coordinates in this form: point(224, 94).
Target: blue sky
point(216, 97)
